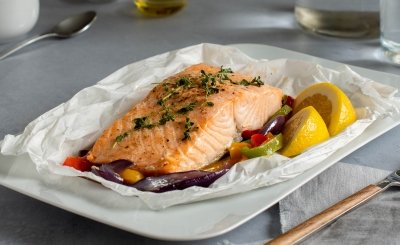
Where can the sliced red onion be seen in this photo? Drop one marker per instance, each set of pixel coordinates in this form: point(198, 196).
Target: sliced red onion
point(111, 171)
point(168, 182)
point(275, 125)
point(179, 181)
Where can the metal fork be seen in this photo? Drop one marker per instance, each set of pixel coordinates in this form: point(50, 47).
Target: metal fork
point(319, 221)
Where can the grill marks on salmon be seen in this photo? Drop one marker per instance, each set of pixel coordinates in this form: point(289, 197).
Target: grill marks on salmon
point(218, 119)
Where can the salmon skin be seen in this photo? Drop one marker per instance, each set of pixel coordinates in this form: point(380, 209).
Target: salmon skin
point(187, 121)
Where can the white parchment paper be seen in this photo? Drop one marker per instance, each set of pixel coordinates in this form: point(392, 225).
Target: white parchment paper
point(77, 123)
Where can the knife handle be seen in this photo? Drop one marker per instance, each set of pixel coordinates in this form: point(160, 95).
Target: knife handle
point(322, 219)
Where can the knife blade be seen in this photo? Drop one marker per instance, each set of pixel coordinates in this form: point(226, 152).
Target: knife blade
point(319, 221)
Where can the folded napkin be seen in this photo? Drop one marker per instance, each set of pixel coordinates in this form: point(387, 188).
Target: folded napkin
point(375, 222)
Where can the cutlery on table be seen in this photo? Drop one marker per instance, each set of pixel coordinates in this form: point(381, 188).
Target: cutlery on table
point(69, 27)
point(308, 227)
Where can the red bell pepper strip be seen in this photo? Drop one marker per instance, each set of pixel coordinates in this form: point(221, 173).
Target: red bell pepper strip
point(79, 163)
point(257, 139)
point(266, 149)
point(246, 134)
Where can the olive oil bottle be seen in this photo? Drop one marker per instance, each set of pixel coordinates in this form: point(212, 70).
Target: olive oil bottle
point(159, 7)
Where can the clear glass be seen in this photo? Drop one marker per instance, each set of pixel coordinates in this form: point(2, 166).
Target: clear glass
point(342, 18)
point(390, 28)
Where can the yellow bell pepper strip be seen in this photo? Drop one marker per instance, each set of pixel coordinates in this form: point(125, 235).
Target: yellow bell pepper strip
point(235, 153)
point(131, 176)
point(266, 149)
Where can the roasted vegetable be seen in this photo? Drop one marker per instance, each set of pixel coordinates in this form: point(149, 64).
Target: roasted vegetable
point(178, 181)
point(112, 170)
point(119, 172)
point(246, 134)
point(274, 125)
point(288, 100)
point(257, 139)
point(131, 176)
point(78, 163)
point(235, 153)
point(265, 149)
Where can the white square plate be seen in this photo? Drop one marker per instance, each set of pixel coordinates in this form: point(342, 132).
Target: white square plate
point(223, 214)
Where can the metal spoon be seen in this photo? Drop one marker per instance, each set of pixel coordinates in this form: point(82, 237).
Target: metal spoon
point(69, 27)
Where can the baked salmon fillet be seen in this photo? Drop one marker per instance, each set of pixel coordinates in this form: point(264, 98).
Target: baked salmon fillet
point(187, 121)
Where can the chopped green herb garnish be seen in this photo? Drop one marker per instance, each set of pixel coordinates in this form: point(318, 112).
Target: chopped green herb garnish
point(244, 82)
point(188, 126)
point(223, 74)
point(209, 103)
point(184, 82)
point(161, 102)
point(164, 99)
point(166, 116)
point(208, 83)
point(119, 138)
point(181, 83)
point(225, 70)
point(165, 86)
point(212, 90)
point(187, 108)
point(186, 135)
point(257, 81)
point(142, 122)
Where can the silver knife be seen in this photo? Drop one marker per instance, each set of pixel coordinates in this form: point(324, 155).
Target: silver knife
point(310, 226)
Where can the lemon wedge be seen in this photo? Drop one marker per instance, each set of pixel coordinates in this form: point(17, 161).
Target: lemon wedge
point(303, 130)
point(330, 102)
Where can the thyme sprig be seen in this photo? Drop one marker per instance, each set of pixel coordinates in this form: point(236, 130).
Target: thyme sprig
point(188, 127)
point(223, 74)
point(166, 117)
point(119, 138)
point(187, 108)
point(256, 81)
point(182, 83)
point(142, 122)
point(209, 84)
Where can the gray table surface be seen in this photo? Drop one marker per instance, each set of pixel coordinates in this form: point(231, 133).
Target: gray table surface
point(48, 73)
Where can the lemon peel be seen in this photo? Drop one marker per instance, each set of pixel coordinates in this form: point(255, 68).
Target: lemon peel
point(331, 103)
point(303, 130)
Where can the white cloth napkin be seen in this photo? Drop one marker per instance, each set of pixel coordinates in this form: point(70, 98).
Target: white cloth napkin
point(375, 222)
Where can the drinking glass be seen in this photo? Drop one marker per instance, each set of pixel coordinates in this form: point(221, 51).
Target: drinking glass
point(390, 28)
point(341, 18)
